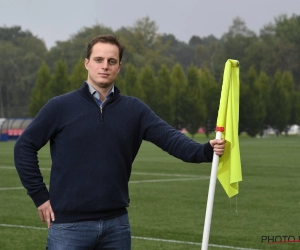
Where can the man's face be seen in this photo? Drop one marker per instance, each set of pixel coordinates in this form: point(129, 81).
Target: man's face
point(103, 65)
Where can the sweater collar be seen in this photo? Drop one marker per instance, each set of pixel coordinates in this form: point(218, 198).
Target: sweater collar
point(85, 89)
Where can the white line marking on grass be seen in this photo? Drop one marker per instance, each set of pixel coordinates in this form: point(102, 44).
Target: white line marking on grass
point(190, 243)
point(133, 182)
point(13, 168)
point(19, 226)
point(11, 188)
point(133, 173)
point(7, 167)
point(144, 238)
point(168, 180)
point(163, 174)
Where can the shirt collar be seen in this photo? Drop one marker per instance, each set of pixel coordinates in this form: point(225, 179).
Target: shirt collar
point(95, 92)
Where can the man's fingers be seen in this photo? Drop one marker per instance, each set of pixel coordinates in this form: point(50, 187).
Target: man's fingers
point(52, 216)
point(46, 213)
point(41, 216)
point(220, 143)
point(218, 146)
point(48, 219)
point(45, 216)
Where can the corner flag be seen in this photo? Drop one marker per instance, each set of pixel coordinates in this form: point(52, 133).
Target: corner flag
point(229, 168)
point(226, 168)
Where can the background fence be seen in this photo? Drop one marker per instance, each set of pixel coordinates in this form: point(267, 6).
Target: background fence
point(12, 128)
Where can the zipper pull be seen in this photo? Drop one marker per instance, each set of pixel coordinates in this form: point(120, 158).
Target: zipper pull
point(101, 113)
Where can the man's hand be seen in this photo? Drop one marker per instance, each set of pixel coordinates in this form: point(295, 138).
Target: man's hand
point(46, 213)
point(218, 146)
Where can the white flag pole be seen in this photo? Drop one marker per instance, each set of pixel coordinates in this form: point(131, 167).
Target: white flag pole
point(210, 198)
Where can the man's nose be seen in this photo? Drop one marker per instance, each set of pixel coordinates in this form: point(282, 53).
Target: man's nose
point(105, 64)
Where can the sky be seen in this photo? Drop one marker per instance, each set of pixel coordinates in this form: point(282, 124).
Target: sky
point(58, 20)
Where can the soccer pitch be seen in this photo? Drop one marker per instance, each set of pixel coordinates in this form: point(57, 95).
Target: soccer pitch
point(168, 200)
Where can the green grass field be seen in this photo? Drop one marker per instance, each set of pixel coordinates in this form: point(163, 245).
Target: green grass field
point(168, 200)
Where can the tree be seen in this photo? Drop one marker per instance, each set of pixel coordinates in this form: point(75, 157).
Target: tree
point(265, 85)
point(195, 110)
point(148, 82)
point(144, 45)
point(208, 53)
point(9, 74)
point(177, 51)
point(132, 86)
point(165, 94)
point(179, 86)
point(287, 30)
point(195, 41)
point(211, 96)
point(288, 83)
point(252, 107)
point(21, 56)
point(78, 76)
point(38, 97)
point(236, 41)
point(296, 108)
point(60, 81)
point(145, 35)
point(120, 83)
point(278, 112)
point(279, 46)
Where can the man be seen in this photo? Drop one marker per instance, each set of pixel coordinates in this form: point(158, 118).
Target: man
point(95, 134)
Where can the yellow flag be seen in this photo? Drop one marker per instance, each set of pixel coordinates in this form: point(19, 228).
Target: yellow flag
point(229, 168)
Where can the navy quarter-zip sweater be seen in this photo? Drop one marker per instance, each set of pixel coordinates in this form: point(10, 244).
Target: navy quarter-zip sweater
point(92, 152)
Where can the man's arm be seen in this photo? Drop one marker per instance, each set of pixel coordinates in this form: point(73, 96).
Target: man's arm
point(174, 142)
point(35, 136)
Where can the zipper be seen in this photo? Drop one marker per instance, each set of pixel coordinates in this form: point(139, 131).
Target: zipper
point(102, 107)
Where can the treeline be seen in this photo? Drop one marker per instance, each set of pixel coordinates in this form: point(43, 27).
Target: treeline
point(188, 99)
point(181, 82)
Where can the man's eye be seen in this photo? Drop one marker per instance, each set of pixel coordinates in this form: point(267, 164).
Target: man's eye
point(99, 60)
point(112, 62)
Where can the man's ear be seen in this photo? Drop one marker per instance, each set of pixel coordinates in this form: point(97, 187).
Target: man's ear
point(120, 66)
point(86, 61)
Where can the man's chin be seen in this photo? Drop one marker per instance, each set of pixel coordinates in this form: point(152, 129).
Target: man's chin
point(103, 84)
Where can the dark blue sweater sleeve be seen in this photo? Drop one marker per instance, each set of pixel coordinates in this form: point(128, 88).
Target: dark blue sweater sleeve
point(173, 141)
point(35, 136)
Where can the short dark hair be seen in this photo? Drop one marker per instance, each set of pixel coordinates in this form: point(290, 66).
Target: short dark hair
point(105, 39)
